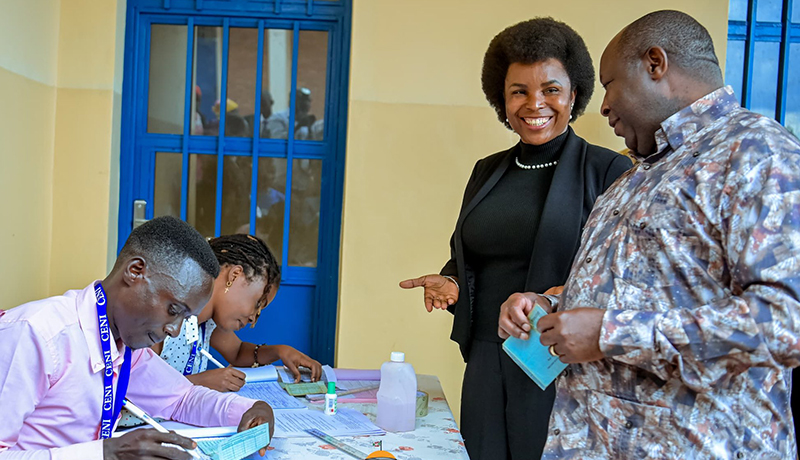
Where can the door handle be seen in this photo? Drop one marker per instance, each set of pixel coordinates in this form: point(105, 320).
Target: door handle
point(139, 210)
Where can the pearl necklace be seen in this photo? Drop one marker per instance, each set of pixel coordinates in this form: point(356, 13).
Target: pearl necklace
point(539, 166)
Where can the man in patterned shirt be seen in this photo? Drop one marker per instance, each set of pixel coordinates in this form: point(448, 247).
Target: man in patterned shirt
point(680, 317)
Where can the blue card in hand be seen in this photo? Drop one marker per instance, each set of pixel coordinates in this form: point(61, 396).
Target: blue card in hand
point(236, 447)
point(533, 357)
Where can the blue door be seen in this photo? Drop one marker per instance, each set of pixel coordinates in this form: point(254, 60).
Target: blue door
point(233, 119)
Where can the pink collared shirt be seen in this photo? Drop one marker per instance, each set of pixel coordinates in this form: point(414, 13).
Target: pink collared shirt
point(51, 383)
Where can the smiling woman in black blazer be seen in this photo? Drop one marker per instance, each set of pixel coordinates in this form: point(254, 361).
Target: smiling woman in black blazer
point(520, 225)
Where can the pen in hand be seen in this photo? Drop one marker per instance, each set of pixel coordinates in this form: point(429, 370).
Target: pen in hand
point(133, 409)
point(211, 358)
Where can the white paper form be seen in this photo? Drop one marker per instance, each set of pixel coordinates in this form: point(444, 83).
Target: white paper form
point(346, 422)
point(272, 394)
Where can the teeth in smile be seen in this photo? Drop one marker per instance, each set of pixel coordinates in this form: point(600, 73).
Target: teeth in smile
point(536, 121)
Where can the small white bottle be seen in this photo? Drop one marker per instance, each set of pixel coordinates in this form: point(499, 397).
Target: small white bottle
point(397, 396)
point(330, 399)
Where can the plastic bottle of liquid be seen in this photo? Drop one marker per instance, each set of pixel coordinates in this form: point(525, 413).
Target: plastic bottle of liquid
point(330, 399)
point(397, 396)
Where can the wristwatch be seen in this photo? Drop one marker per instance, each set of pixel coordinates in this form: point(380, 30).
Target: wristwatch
point(553, 301)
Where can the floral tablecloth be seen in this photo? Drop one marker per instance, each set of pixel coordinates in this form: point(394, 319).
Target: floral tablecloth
point(436, 435)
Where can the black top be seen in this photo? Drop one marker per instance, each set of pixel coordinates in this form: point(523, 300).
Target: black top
point(583, 172)
point(498, 239)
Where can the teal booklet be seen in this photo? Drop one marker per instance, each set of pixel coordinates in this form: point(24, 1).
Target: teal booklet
point(533, 357)
point(237, 446)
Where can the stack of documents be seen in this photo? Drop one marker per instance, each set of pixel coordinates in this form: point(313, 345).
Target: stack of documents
point(352, 391)
point(292, 418)
point(272, 394)
point(306, 386)
point(260, 374)
point(328, 374)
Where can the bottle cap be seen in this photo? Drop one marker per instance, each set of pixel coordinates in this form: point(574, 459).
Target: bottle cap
point(398, 357)
point(331, 388)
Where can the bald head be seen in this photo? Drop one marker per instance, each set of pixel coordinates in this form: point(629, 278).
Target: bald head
point(686, 42)
point(655, 67)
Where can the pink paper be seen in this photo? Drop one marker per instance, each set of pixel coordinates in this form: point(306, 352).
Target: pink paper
point(358, 374)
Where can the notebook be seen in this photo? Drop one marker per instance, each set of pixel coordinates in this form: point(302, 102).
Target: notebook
point(533, 357)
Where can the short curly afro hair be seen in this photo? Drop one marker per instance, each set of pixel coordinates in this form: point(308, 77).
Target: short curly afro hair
point(532, 41)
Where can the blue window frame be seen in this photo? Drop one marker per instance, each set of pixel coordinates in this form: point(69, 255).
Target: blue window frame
point(309, 291)
point(763, 58)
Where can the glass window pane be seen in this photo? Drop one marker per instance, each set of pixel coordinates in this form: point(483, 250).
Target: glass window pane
point(206, 80)
point(236, 179)
point(765, 78)
point(304, 218)
point(793, 91)
point(769, 10)
point(202, 193)
point(276, 84)
point(242, 62)
point(167, 185)
point(312, 66)
point(796, 12)
point(737, 10)
point(271, 202)
point(167, 79)
point(734, 66)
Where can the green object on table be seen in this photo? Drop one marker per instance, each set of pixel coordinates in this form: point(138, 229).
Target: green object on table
point(422, 404)
point(304, 388)
point(238, 446)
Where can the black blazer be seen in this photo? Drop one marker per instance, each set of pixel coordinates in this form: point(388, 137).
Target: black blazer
point(584, 171)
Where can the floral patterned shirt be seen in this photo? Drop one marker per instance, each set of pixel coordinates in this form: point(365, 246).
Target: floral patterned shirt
point(695, 256)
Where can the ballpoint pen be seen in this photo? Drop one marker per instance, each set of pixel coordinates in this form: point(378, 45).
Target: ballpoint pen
point(211, 358)
point(149, 420)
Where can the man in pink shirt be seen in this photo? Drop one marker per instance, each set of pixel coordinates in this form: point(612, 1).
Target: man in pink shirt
point(63, 373)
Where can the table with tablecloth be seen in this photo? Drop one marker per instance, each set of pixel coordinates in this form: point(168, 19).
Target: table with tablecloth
point(435, 437)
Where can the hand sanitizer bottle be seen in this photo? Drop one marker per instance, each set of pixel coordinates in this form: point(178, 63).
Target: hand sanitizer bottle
point(397, 396)
point(330, 399)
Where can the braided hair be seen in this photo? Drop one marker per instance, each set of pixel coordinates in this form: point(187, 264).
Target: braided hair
point(253, 255)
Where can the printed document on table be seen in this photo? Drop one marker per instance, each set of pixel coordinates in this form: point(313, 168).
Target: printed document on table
point(328, 374)
point(346, 422)
point(272, 394)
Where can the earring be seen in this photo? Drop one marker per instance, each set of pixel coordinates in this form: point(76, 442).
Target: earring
point(229, 284)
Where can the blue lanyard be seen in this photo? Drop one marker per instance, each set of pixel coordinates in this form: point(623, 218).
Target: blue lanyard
point(111, 404)
point(190, 364)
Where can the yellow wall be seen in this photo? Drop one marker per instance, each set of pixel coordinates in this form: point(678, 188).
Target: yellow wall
point(28, 72)
point(60, 74)
point(85, 198)
point(418, 122)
